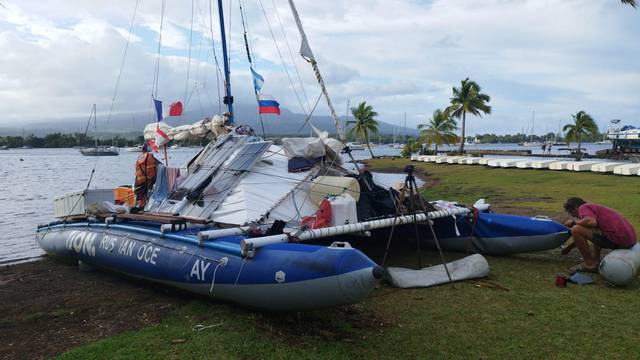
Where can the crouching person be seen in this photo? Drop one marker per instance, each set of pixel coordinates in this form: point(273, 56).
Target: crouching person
point(600, 225)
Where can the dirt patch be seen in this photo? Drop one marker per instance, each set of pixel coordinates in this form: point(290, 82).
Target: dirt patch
point(348, 324)
point(49, 307)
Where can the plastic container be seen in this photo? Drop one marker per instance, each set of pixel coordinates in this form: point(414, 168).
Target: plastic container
point(324, 186)
point(78, 202)
point(124, 195)
point(343, 210)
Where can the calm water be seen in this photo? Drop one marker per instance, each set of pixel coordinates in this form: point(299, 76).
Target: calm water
point(32, 178)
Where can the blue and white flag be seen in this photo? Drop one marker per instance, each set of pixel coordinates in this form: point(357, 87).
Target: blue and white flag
point(258, 80)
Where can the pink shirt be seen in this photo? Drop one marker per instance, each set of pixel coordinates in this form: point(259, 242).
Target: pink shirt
point(615, 227)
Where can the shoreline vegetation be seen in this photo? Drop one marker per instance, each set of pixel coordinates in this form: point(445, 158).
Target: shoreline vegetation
point(53, 309)
point(70, 140)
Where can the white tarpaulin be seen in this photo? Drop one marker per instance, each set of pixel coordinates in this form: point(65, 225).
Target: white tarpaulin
point(266, 188)
point(470, 267)
point(309, 148)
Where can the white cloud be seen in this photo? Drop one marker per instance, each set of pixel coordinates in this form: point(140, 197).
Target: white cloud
point(557, 56)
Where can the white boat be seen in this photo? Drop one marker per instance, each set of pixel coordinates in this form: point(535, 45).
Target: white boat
point(542, 164)
point(524, 164)
point(97, 150)
point(471, 160)
point(100, 151)
point(625, 139)
point(509, 163)
point(485, 161)
point(137, 148)
point(355, 146)
point(582, 165)
point(627, 169)
point(454, 159)
point(559, 165)
point(605, 167)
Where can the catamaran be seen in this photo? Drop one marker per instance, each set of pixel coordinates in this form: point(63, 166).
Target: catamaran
point(264, 225)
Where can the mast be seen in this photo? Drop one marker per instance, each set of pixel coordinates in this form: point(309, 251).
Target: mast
point(228, 99)
point(405, 128)
point(307, 54)
point(95, 124)
point(533, 121)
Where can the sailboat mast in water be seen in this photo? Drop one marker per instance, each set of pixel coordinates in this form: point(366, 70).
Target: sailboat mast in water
point(228, 99)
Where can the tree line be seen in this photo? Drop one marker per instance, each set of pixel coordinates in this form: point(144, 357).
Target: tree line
point(61, 140)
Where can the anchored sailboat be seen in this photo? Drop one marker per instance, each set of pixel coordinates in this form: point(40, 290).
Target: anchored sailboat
point(97, 150)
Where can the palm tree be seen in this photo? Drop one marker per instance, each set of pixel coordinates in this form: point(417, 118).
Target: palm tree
point(410, 147)
point(364, 123)
point(633, 3)
point(583, 124)
point(468, 99)
point(439, 130)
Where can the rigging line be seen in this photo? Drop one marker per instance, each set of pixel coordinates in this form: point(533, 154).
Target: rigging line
point(186, 85)
point(215, 57)
point(264, 12)
point(229, 169)
point(157, 70)
point(293, 61)
point(124, 57)
point(199, 101)
point(246, 45)
point(250, 38)
point(229, 19)
point(308, 119)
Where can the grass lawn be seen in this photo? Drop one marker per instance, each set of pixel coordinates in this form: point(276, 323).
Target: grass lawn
point(473, 320)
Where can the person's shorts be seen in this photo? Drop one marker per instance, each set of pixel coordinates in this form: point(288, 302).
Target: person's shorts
point(600, 239)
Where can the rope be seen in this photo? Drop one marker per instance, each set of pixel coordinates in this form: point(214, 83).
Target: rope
point(244, 259)
point(124, 57)
point(308, 118)
point(286, 39)
point(213, 278)
point(156, 75)
point(286, 70)
point(215, 58)
point(186, 85)
point(251, 65)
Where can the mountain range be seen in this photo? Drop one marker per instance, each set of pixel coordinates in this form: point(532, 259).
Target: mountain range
point(132, 124)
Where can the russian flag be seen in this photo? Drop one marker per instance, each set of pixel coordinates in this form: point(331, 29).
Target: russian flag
point(268, 105)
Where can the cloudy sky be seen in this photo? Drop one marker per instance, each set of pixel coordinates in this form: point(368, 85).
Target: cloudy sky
point(552, 56)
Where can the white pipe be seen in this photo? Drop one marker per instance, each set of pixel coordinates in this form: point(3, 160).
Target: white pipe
point(248, 246)
point(218, 233)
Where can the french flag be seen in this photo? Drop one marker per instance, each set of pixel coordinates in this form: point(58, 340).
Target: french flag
point(175, 109)
point(268, 105)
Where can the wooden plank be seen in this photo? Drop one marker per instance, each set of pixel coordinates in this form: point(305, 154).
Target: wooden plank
point(163, 218)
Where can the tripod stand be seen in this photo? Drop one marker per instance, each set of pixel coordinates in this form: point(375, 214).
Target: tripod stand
point(411, 187)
